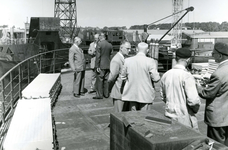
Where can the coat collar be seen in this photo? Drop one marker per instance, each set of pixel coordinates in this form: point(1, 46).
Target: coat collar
point(76, 48)
point(225, 62)
point(178, 66)
point(121, 55)
point(141, 54)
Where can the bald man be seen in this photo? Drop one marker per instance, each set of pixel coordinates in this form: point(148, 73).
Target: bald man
point(92, 52)
point(140, 73)
point(78, 65)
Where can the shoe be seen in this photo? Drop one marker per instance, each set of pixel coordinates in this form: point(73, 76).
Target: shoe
point(82, 94)
point(76, 95)
point(97, 97)
point(91, 92)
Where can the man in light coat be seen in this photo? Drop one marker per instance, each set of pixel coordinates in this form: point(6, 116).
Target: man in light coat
point(178, 91)
point(92, 52)
point(78, 64)
point(115, 81)
point(140, 73)
point(216, 95)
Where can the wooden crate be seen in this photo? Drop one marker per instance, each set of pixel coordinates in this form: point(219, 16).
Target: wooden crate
point(159, 136)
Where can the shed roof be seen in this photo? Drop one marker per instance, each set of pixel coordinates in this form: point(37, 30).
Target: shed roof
point(209, 35)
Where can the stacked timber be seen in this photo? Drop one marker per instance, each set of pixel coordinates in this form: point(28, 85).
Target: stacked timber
point(212, 66)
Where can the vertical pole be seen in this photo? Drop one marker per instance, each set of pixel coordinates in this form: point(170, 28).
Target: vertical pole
point(156, 52)
point(54, 62)
point(174, 58)
point(2, 100)
point(28, 65)
point(40, 65)
point(11, 89)
point(20, 84)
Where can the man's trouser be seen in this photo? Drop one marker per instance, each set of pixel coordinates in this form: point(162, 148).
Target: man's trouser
point(219, 134)
point(102, 83)
point(79, 82)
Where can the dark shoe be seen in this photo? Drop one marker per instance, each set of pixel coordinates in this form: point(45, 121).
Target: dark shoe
point(91, 92)
point(76, 95)
point(97, 97)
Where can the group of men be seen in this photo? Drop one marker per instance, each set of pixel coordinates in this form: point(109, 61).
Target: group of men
point(131, 83)
point(100, 63)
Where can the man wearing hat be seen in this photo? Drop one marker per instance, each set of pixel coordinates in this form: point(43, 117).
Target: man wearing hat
point(178, 91)
point(140, 73)
point(216, 95)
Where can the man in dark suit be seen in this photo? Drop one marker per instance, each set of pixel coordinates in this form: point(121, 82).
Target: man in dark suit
point(103, 58)
point(115, 81)
point(78, 65)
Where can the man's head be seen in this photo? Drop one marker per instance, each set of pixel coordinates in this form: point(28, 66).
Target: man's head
point(183, 55)
point(96, 37)
point(102, 36)
point(125, 47)
point(143, 47)
point(220, 52)
point(77, 40)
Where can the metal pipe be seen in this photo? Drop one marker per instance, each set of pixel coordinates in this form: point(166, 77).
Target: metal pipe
point(2, 102)
point(11, 89)
point(169, 16)
point(20, 84)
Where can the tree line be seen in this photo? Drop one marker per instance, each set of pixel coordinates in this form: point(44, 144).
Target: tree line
point(205, 26)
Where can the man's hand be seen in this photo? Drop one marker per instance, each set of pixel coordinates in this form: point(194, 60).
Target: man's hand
point(99, 70)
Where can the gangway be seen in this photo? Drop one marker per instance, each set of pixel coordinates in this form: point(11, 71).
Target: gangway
point(32, 125)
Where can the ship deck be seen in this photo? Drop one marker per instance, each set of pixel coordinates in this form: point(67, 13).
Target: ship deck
point(82, 123)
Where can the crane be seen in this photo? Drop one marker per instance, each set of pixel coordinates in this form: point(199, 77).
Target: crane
point(66, 11)
point(177, 29)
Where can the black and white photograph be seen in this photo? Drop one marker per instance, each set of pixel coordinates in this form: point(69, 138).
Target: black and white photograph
point(113, 75)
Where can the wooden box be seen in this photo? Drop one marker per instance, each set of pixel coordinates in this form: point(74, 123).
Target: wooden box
point(145, 135)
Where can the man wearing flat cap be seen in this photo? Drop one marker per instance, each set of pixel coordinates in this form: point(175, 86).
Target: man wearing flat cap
point(216, 95)
point(178, 91)
point(140, 73)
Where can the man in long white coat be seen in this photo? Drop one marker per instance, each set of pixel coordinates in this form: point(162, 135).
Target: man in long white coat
point(178, 91)
point(140, 73)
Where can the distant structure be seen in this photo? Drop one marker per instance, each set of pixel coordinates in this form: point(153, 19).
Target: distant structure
point(177, 30)
point(67, 12)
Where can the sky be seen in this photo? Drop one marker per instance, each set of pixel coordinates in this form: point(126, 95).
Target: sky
point(101, 13)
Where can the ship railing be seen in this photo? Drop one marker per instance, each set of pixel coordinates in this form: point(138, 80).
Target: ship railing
point(17, 78)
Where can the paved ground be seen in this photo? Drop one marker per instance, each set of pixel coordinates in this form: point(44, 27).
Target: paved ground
point(82, 123)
